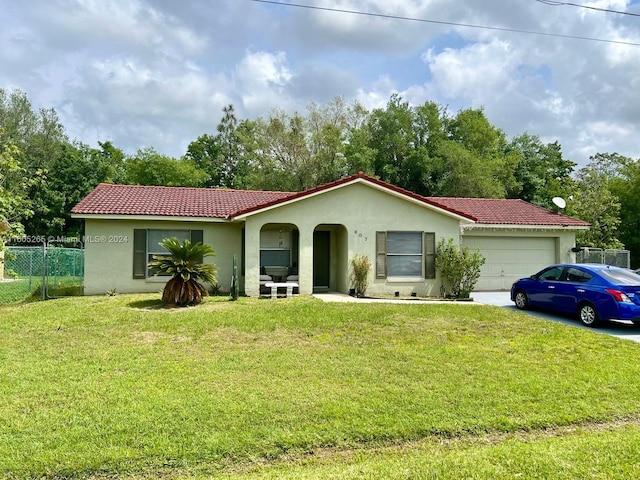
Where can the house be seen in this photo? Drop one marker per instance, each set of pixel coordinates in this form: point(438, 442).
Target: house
point(313, 235)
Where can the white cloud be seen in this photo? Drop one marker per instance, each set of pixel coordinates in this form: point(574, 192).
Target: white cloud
point(158, 73)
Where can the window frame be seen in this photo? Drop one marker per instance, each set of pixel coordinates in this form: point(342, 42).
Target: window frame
point(427, 256)
point(142, 254)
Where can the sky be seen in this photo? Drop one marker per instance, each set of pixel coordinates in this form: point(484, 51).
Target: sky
point(157, 73)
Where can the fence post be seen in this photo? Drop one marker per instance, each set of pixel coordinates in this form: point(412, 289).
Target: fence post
point(43, 288)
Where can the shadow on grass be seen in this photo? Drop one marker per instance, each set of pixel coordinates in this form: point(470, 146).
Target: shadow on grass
point(151, 304)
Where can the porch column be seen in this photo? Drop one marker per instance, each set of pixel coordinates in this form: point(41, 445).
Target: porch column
point(305, 266)
point(252, 258)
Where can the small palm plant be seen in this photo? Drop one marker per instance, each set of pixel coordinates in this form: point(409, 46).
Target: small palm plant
point(185, 265)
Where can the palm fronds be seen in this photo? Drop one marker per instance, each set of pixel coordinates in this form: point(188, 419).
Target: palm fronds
point(185, 265)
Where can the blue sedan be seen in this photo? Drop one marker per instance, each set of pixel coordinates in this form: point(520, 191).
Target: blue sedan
point(592, 292)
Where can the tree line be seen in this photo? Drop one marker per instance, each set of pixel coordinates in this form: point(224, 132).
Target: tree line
point(425, 149)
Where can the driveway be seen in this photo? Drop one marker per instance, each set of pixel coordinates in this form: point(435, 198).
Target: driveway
point(501, 299)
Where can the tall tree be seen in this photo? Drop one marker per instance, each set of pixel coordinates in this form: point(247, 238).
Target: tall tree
point(14, 204)
point(220, 155)
point(593, 202)
point(624, 183)
point(542, 172)
point(481, 150)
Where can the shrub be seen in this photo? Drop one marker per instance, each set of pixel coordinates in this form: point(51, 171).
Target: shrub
point(460, 268)
point(360, 266)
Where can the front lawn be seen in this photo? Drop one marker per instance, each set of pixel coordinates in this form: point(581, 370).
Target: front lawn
point(105, 387)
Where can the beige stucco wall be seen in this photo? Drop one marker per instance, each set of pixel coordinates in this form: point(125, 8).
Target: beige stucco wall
point(362, 210)
point(109, 253)
point(352, 213)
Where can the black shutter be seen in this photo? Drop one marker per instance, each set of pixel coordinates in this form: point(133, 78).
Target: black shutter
point(429, 255)
point(197, 236)
point(139, 253)
point(381, 254)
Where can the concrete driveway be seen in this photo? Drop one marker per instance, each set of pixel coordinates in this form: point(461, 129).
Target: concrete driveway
point(501, 299)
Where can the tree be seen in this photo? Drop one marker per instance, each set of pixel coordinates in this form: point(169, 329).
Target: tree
point(626, 187)
point(220, 155)
point(14, 204)
point(38, 137)
point(185, 266)
point(478, 148)
point(460, 268)
point(541, 172)
point(148, 167)
point(593, 202)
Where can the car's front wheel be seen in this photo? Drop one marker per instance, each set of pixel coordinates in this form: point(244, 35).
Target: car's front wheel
point(588, 315)
point(521, 300)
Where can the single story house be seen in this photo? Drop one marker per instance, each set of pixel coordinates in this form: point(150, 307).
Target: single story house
point(311, 236)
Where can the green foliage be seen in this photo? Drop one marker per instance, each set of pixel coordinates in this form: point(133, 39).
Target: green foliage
point(541, 172)
point(220, 155)
point(148, 167)
point(626, 187)
point(185, 266)
point(14, 184)
point(594, 202)
point(360, 268)
point(460, 268)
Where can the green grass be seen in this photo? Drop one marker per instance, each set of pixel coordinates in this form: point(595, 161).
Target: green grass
point(102, 387)
point(21, 289)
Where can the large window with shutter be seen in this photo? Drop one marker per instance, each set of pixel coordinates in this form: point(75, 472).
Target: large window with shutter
point(406, 255)
point(146, 245)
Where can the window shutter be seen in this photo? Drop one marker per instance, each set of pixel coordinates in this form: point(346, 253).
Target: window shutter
point(429, 255)
point(139, 253)
point(197, 236)
point(381, 254)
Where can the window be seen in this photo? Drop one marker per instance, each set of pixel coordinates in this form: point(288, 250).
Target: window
point(552, 274)
point(405, 254)
point(146, 245)
point(579, 276)
point(154, 237)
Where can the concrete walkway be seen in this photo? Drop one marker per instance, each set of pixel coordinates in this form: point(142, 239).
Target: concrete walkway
point(344, 298)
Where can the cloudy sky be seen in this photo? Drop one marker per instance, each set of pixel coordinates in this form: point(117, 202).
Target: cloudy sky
point(158, 72)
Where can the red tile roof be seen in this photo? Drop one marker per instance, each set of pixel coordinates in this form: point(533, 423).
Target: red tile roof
point(109, 199)
point(507, 212)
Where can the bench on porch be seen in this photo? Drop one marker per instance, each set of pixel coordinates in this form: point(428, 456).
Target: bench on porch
point(275, 285)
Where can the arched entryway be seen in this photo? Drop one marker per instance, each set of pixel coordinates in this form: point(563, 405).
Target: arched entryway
point(330, 262)
point(279, 252)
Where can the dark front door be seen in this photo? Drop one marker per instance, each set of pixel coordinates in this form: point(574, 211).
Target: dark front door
point(321, 241)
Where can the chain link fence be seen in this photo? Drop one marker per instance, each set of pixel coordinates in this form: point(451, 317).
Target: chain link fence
point(38, 273)
point(619, 258)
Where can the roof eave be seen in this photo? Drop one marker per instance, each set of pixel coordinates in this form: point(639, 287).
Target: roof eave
point(511, 226)
point(170, 218)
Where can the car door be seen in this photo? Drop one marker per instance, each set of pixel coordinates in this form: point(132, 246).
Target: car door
point(544, 290)
point(572, 289)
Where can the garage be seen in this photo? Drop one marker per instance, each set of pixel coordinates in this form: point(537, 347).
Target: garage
point(510, 258)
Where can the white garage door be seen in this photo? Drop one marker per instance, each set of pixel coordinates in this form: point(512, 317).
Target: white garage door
point(509, 259)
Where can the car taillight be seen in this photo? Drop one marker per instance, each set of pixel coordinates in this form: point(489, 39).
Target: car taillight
point(619, 296)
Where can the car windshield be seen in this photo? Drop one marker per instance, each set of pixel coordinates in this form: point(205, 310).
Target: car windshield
point(621, 276)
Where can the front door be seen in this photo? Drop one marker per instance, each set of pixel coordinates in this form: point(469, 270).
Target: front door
point(321, 243)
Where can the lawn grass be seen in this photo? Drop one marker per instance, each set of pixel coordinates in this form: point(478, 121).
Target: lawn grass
point(99, 387)
point(21, 290)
